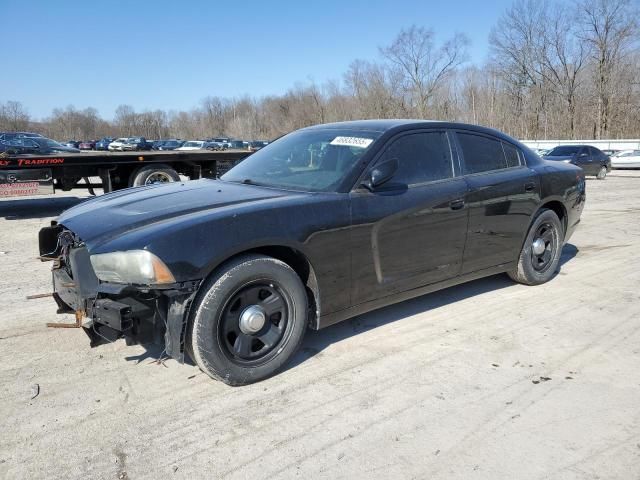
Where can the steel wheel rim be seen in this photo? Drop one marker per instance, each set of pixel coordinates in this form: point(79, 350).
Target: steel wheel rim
point(547, 234)
point(245, 347)
point(158, 177)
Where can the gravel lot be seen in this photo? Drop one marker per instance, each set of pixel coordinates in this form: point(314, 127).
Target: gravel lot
point(486, 380)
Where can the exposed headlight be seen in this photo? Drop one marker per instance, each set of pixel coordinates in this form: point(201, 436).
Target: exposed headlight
point(139, 267)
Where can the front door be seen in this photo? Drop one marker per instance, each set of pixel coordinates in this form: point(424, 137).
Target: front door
point(410, 231)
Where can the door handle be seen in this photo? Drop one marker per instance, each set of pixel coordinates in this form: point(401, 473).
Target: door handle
point(529, 187)
point(456, 204)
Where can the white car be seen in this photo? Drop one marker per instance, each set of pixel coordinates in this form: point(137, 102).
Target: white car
point(118, 144)
point(192, 145)
point(626, 159)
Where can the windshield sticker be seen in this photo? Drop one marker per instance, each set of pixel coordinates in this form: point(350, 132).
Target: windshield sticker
point(352, 142)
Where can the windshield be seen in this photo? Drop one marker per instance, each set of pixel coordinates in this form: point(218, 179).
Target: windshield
point(52, 143)
point(310, 160)
point(564, 151)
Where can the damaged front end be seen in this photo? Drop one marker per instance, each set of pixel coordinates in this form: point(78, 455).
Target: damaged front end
point(141, 314)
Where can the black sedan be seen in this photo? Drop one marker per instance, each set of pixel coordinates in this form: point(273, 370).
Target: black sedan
point(169, 144)
point(323, 224)
point(37, 145)
point(590, 159)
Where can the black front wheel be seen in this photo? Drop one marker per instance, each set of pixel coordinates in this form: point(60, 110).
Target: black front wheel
point(248, 320)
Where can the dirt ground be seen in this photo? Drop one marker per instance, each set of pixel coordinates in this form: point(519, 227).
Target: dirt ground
point(486, 380)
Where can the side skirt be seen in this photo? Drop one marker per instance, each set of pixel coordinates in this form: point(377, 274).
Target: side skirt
point(336, 317)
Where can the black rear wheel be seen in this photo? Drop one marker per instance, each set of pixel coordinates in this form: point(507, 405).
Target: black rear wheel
point(602, 173)
point(541, 251)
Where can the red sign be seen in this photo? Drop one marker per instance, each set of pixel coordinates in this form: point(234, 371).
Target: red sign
point(30, 162)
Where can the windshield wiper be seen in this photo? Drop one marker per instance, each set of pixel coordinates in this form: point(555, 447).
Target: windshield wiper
point(248, 181)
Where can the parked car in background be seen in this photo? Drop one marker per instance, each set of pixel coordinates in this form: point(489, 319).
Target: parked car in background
point(37, 145)
point(117, 144)
point(611, 152)
point(87, 145)
point(590, 159)
point(193, 145)
point(136, 143)
point(626, 159)
point(541, 151)
point(170, 144)
point(232, 272)
point(224, 141)
point(12, 135)
point(257, 145)
point(156, 144)
point(103, 143)
point(72, 143)
point(241, 144)
point(211, 145)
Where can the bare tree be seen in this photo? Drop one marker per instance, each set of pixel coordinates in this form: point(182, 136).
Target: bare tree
point(423, 64)
point(13, 116)
point(610, 27)
point(563, 59)
point(517, 48)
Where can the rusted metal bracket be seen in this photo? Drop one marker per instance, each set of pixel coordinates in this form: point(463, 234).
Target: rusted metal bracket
point(39, 295)
point(78, 324)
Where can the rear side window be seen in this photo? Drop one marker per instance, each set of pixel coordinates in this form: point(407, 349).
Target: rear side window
point(483, 154)
point(511, 155)
point(422, 157)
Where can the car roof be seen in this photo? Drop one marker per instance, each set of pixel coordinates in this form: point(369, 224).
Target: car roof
point(384, 125)
point(578, 145)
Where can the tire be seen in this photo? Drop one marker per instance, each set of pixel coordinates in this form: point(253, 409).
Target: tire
point(216, 339)
point(535, 269)
point(154, 174)
point(602, 173)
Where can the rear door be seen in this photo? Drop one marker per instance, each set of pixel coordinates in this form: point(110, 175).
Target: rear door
point(503, 194)
point(410, 231)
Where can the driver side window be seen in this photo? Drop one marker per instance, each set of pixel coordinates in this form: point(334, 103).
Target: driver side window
point(422, 157)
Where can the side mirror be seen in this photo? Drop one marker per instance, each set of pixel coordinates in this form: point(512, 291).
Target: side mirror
point(583, 154)
point(380, 174)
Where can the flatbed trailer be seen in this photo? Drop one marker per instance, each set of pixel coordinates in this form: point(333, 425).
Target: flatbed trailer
point(22, 175)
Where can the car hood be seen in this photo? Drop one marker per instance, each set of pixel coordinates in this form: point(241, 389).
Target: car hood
point(558, 157)
point(102, 219)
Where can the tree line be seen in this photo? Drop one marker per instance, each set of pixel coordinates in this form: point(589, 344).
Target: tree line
point(556, 69)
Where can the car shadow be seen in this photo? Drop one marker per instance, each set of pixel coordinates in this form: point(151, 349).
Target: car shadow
point(317, 340)
point(24, 208)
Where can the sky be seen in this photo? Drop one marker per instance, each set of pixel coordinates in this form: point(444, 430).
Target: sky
point(170, 55)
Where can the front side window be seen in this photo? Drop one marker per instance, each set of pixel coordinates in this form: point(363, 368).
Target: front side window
point(564, 150)
point(481, 154)
point(422, 157)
